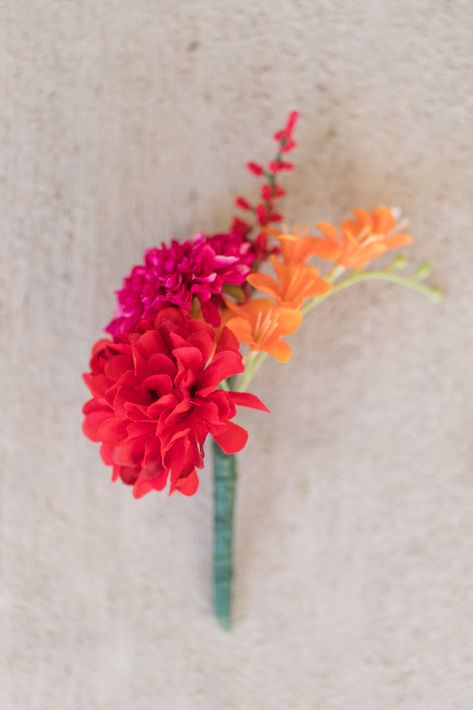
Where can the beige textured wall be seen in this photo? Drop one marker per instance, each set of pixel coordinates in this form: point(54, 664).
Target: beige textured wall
point(123, 123)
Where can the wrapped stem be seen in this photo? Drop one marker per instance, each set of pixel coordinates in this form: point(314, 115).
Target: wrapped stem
point(225, 472)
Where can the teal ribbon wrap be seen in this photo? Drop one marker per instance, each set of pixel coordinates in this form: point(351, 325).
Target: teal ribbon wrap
point(224, 479)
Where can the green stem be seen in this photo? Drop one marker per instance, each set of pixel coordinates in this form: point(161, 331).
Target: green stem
point(225, 474)
point(433, 293)
point(252, 366)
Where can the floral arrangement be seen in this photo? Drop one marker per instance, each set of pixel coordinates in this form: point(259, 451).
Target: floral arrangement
point(197, 319)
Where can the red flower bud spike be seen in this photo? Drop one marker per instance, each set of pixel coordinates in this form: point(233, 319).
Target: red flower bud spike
point(266, 212)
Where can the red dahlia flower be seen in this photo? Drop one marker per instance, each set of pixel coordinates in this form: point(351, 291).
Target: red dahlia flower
point(173, 275)
point(155, 400)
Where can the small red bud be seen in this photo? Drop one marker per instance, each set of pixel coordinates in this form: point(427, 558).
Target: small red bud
point(288, 146)
point(262, 215)
point(270, 192)
point(285, 134)
point(266, 192)
point(239, 227)
point(241, 202)
point(291, 123)
point(276, 166)
point(254, 168)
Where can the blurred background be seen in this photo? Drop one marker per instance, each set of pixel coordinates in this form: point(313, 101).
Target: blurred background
point(124, 124)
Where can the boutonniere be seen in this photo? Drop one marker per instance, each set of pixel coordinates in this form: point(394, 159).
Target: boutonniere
point(196, 320)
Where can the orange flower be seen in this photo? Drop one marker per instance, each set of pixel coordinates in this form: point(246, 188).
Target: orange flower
point(260, 324)
point(297, 248)
point(294, 285)
point(364, 238)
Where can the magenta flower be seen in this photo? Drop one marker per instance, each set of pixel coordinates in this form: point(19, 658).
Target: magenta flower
point(174, 275)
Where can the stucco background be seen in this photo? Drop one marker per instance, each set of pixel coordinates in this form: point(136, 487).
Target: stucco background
point(122, 124)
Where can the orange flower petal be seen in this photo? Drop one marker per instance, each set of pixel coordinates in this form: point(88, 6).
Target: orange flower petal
point(329, 231)
point(241, 328)
point(328, 248)
point(383, 219)
point(354, 255)
point(296, 283)
point(363, 222)
point(280, 350)
point(401, 239)
point(263, 282)
point(319, 287)
point(289, 320)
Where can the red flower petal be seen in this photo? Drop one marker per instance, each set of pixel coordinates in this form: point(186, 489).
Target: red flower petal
point(204, 342)
point(150, 343)
point(97, 384)
point(158, 384)
point(141, 487)
point(92, 423)
point(117, 365)
point(129, 453)
point(154, 478)
point(246, 399)
point(190, 358)
point(160, 364)
point(225, 364)
point(188, 485)
point(228, 341)
point(112, 431)
point(233, 439)
point(106, 454)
